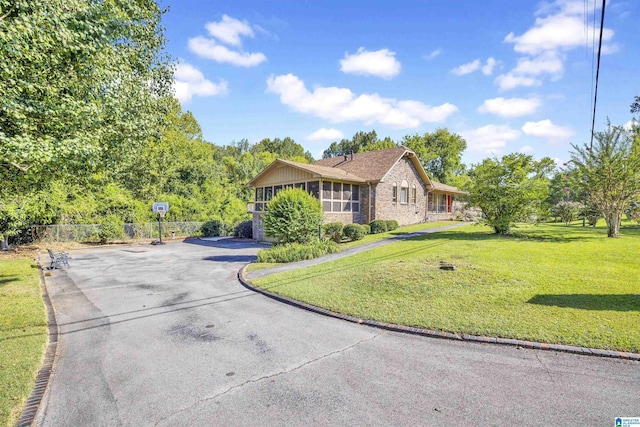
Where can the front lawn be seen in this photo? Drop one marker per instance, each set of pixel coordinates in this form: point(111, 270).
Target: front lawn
point(23, 335)
point(550, 283)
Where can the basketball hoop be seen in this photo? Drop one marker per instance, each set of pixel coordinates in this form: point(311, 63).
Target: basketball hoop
point(161, 208)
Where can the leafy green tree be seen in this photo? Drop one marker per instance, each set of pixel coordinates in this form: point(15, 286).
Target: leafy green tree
point(510, 189)
point(285, 148)
point(635, 105)
point(440, 153)
point(293, 216)
point(353, 145)
point(610, 173)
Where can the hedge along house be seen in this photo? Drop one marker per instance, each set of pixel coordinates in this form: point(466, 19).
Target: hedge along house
point(359, 188)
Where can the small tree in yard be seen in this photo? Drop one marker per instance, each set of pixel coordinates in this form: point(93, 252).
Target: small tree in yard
point(293, 216)
point(510, 189)
point(567, 211)
point(610, 173)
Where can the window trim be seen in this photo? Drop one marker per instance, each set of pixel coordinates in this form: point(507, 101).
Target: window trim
point(394, 193)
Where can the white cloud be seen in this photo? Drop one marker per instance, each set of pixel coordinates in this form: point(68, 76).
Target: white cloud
point(189, 81)
point(380, 63)
point(210, 49)
point(229, 30)
point(547, 130)
point(487, 69)
point(526, 149)
point(546, 63)
point(342, 105)
point(631, 124)
point(470, 67)
point(325, 134)
point(433, 54)
point(490, 139)
point(559, 28)
point(467, 68)
point(511, 107)
point(510, 81)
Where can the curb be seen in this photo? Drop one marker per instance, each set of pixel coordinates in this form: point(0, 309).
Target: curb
point(32, 405)
point(584, 351)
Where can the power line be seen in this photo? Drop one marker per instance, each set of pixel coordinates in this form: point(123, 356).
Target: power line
point(595, 98)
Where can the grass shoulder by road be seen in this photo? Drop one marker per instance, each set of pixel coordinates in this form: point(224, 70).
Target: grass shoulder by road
point(550, 283)
point(369, 238)
point(23, 335)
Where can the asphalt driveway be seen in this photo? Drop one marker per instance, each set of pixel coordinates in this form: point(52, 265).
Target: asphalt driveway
point(167, 336)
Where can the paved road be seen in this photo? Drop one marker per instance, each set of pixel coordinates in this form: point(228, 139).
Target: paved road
point(167, 336)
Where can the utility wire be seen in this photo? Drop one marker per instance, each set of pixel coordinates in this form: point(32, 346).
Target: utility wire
point(595, 98)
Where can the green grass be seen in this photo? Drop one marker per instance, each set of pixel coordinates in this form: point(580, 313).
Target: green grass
point(550, 283)
point(23, 335)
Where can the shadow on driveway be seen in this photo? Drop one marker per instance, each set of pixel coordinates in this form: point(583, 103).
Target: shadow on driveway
point(231, 258)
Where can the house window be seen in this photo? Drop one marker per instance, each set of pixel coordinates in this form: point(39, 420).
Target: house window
point(276, 189)
point(313, 187)
point(404, 193)
point(394, 193)
point(413, 194)
point(339, 197)
point(268, 193)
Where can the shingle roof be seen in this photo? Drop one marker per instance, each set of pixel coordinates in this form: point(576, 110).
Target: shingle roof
point(438, 186)
point(319, 171)
point(370, 165)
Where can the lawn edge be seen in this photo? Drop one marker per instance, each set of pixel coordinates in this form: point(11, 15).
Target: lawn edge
point(584, 351)
point(41, 384)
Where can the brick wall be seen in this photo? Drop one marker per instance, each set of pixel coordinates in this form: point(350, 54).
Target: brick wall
point(408, 213)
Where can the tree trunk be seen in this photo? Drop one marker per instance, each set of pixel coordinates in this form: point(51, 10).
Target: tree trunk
point(5, 243)
point(613, 224)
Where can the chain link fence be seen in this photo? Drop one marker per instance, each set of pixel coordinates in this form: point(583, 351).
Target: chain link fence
point(131, 231)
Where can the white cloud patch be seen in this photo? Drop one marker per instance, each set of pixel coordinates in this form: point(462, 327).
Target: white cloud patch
point(633, 123)
point(325, 134)
point(475, 65)
point(487, 69)
point(510, 107)
point(188, 82)
point(511, 81)
point(526, 149)
point(229, 30)
point(433, 54)
point(467, 68)
point(547, 130)
point(379, 63)
point(342, 105)
point(559, 28)
point(490, 139)
point(226, 32)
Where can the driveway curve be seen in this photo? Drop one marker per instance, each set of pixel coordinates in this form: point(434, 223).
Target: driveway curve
point(167, 336)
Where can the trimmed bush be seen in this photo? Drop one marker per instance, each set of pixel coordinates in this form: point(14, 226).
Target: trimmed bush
point(292, 252)
point(378, 226)
point(244, 230)
point(333, 231)
point(293, 216)
point(366, 228)
point(353, 232)
point(213, 228)
point(392, 224)
point(111, 229)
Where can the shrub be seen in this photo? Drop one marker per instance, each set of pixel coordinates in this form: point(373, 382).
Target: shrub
point(567, 211)
point(293, 216)
point(110, 229)
point(633, 212)
point(292, 252)
point(378, 226)
point(353, 231)
point(213, 228)
point(244, 229)
point(366, 228)
point(333, 230)
point(392, 224)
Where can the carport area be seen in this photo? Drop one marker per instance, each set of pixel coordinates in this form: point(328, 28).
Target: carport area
point(167, 336)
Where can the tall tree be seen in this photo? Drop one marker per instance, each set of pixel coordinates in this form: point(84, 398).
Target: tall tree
point(440, 152)
point(353, 145)
point(510, 189)
point(285, 148)
point(609, 173)
point(635, 105)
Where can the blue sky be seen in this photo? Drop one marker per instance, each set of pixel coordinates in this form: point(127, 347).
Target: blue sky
point(509, 76)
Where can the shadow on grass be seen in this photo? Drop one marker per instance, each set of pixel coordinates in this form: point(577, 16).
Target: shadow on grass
point(611, 302)
point(6, 279)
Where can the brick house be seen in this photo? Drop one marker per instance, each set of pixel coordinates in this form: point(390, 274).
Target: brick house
point(359, 188)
